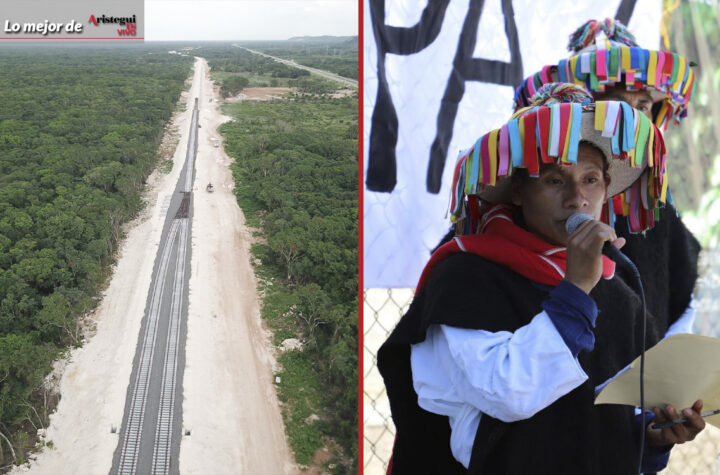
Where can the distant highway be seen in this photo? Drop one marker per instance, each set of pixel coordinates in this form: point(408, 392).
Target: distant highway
point(319, 72)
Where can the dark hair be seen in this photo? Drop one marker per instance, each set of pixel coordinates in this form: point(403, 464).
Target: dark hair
point(655, 110)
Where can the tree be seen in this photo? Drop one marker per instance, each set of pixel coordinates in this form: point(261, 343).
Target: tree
point(233, 84)
point(55, 319)
point(103, 176)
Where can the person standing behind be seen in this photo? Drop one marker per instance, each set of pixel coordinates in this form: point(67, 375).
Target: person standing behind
point(606, 59)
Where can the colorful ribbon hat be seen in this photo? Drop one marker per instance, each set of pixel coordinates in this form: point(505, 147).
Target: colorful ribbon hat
point(607, 54)
point(550, 131)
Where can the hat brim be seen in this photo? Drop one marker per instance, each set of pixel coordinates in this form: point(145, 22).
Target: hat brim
point(673, 87)
point(621, 172)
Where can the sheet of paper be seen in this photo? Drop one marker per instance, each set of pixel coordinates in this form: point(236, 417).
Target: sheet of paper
point(678, 371)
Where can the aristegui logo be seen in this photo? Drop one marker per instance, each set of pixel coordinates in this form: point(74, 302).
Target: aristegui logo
point(129, 23)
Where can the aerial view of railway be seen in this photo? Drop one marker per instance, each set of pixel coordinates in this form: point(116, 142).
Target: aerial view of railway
point(178, 251)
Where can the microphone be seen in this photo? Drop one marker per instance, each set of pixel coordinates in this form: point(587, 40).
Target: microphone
point(576, 219)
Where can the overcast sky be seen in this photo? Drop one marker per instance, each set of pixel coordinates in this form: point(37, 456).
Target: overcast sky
point(167, 20)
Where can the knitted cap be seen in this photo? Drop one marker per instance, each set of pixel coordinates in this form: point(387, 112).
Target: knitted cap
point(550, 131)
point(606, 54)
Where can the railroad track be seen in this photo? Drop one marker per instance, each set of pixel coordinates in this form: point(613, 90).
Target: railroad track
point(131, 441)
point(163, 431)
point(192, 149)
point(149, 392)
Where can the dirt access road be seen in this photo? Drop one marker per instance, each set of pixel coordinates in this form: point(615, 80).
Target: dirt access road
point(230, 406)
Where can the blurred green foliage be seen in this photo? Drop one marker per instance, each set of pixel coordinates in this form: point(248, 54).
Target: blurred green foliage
point(692, 148)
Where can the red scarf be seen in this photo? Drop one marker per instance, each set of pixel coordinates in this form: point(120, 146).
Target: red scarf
point(505, 243)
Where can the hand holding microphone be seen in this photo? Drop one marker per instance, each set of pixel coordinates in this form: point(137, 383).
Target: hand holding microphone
point(588, 240)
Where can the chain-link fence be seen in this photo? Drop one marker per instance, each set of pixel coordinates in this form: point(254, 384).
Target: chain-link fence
point(384, 307)
point(382, 310)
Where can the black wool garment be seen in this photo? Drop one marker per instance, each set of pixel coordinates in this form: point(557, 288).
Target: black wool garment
point(570, 436)
point(667, 258)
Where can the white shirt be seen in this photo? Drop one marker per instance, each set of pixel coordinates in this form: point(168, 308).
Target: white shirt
point(463, 373)
point(511, 376)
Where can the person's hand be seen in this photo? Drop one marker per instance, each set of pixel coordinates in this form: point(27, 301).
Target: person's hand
point(676, 433)
point(584, 253)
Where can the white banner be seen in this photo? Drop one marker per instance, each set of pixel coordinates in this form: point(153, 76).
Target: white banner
point(448, 70)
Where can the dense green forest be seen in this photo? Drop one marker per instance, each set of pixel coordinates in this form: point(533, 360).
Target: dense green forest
point(337, 54)
point(296, 180)
point(79, 130)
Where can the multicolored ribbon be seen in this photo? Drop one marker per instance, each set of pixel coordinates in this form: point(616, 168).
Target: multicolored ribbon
point(551, 134)
point(636, 67)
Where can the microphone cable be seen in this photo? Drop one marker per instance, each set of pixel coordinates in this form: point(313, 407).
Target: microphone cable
point(572, 223)
point(628, 263)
